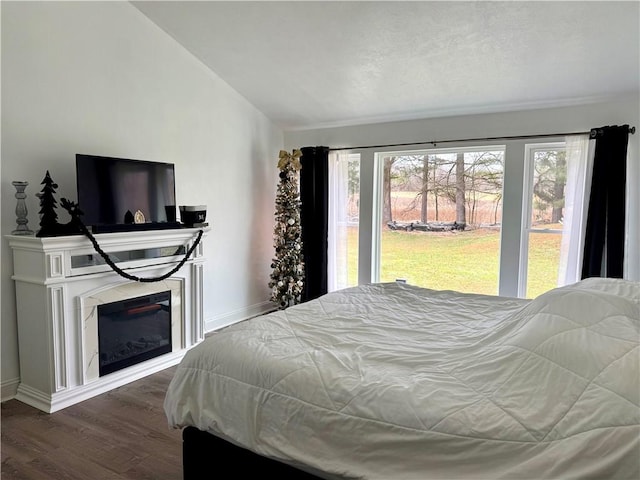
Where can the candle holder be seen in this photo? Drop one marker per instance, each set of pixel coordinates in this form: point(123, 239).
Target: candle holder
point(21, 209)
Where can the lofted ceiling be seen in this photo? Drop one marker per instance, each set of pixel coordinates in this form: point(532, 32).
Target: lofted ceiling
point(309, 64)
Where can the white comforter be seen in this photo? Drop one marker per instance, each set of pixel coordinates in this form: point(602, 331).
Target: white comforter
point(391, 381)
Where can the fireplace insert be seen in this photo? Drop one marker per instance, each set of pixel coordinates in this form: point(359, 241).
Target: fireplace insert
point(133, 330)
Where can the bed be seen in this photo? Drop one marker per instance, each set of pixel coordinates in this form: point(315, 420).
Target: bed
point(391, 381)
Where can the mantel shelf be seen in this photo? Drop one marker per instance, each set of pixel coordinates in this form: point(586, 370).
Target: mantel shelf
point(104, 239)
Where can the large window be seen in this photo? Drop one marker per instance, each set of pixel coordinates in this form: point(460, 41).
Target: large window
point(494, 219)
point(440, 217)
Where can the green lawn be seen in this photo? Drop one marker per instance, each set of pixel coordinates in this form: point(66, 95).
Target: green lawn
point(464, 261)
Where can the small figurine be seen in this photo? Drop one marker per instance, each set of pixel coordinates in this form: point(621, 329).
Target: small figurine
point(49, 226)
point(48, 217)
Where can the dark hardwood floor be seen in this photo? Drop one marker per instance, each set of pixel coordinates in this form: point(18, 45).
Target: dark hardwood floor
point(122, 434)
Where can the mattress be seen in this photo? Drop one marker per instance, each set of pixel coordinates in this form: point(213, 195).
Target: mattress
point(393, 381)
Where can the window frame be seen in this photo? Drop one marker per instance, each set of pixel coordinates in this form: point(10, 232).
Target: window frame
point(512, 217)
point(377, 201)
point(527, 209)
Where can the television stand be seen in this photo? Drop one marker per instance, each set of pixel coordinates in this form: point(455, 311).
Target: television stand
point(60, 284)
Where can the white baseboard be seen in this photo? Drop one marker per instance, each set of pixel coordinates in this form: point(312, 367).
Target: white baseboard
point(9, 389)
point(221, 321)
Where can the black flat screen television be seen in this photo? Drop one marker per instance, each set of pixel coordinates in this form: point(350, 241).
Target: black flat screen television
point(119, 194)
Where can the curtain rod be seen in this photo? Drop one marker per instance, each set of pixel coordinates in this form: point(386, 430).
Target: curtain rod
point(632, 130)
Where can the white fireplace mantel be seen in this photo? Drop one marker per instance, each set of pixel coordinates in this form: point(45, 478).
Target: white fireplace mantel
point(60, 281)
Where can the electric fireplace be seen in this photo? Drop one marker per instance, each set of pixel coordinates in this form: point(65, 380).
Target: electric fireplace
point(59, 293)
point(133, 330)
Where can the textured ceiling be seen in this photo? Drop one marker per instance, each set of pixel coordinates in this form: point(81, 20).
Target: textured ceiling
point(310, 64)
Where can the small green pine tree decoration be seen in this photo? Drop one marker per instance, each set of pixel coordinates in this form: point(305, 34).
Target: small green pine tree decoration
point(48, 216)
point(287, 278)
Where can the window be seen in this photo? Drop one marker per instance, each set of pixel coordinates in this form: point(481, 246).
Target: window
point(556, 177)
point(404, 211)
point(344, 211)
point(545, 180)
point(440, 214)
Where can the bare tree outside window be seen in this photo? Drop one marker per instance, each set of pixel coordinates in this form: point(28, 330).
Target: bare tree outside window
point(429, 196)
point(463, 187)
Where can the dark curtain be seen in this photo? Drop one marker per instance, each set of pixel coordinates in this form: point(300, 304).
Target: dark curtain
point(314, 221)
point(604, 237)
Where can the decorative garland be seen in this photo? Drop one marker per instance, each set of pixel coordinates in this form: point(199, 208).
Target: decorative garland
point(73, 210)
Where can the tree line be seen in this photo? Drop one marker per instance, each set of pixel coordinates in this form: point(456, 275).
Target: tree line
point(469, 180)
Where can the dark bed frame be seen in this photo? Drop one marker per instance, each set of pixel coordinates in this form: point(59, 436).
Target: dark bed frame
point(200, 449)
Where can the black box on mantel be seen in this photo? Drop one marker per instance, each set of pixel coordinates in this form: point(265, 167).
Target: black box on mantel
point(193, 214)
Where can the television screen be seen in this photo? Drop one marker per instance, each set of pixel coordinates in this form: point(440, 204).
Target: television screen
point(112, 191)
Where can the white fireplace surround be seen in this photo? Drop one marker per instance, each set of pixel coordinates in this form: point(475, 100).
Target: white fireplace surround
point(60, 281)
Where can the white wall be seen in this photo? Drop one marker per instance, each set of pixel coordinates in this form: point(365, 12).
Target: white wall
point(579, 118)
point(101, 78)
